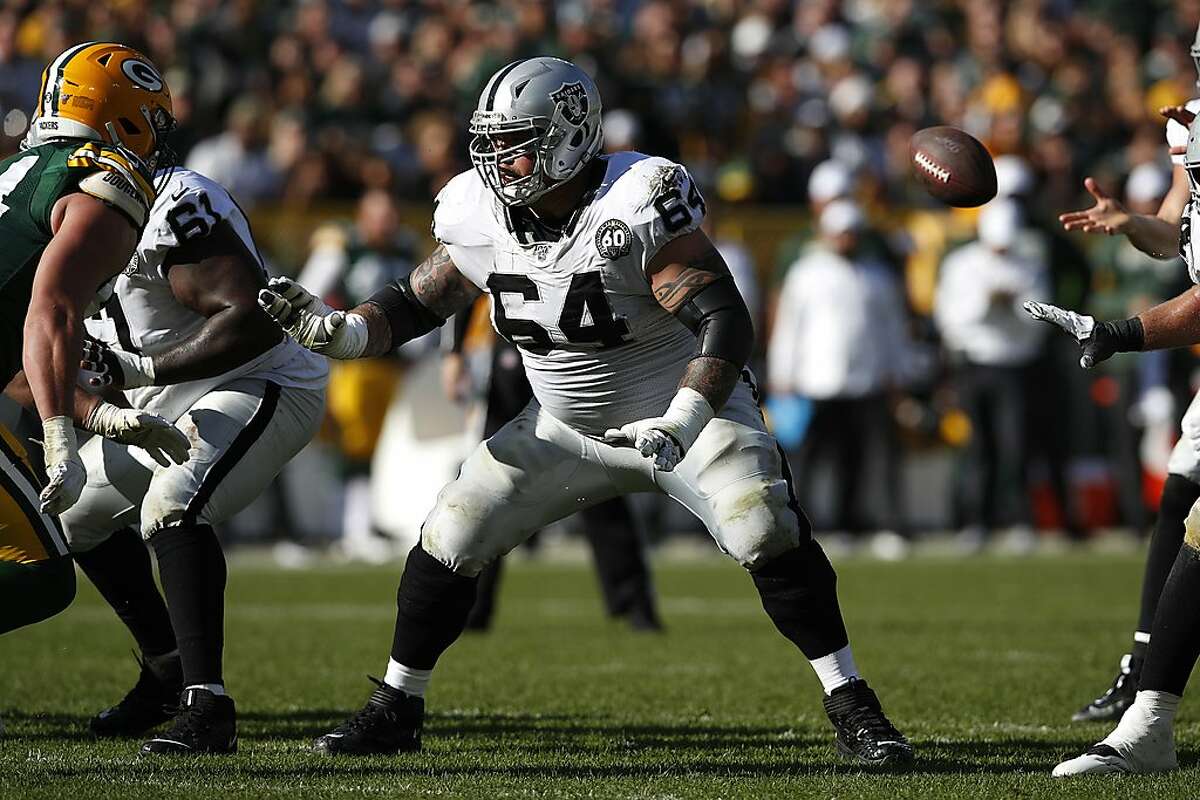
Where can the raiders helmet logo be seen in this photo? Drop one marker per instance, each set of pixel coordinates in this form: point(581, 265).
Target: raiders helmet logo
point(572, 101)
point(613, 239)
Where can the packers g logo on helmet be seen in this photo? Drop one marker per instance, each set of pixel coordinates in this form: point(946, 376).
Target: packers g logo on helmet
point(105, 92)
point(142, 74)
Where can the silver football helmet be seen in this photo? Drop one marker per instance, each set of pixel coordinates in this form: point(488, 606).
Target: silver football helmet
point(543, 107)
point(1191, 158)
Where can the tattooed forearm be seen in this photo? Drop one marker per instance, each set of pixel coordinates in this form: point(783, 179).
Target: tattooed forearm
point(715, 378)
point(674, 285)
point(379, 330)
point(439, 285)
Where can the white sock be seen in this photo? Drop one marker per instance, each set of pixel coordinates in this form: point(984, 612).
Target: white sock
point(406, 679)
point(215, 688)
point(836, 669)
point(1149, 710)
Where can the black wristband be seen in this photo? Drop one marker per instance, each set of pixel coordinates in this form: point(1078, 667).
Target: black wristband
point(406, 315)
point(1126, 335)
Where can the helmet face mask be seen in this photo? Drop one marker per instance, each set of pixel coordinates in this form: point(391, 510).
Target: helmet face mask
point(1191, 159)
point(1195, 53)
point(542, 108)
point(496, 143)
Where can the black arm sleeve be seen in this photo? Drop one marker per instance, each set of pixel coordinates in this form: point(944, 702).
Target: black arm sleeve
point(458, 337)
point(406, 315)
point(718, 316)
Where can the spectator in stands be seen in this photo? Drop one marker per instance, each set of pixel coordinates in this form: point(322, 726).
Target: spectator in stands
point(345, 268)
point(992, 342)
point(840, 340)
point(1125, 283)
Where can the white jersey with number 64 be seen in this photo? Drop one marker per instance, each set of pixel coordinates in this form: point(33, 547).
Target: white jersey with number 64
point(598, 348)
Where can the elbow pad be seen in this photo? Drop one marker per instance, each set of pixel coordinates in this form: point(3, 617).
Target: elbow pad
point(718, 316)
point(406, 315)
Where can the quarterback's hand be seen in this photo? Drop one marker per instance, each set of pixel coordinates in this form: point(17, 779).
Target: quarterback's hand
point(103, 365)
point(65, 473)
point(1096, 341)
point(310, 322)
point(1178, 113)
point(1107, 216)
point(158, 437)
point(666, 439)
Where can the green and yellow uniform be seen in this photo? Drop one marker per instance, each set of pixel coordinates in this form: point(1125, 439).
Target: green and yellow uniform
point(36, 578)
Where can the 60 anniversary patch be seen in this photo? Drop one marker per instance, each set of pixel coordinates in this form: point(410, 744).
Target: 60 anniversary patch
point(613, 239)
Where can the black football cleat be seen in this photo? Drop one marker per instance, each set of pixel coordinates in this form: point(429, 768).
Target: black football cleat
point(388, 724)
point(206, 723)
point(864, 733)
point(148, 704)
point(1110, 706)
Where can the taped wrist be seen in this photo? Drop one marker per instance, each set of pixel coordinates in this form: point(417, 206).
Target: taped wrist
point(406, 315)
point(688, 413)
point(58, 441)
point(1126, 335)
point(718, 316)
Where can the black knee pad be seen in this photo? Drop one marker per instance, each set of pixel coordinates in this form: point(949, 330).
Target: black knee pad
point(1179, 494)
point(432, 605)
point(799, 594)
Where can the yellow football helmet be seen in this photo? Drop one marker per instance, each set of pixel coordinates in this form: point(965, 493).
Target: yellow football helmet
point(105, 92)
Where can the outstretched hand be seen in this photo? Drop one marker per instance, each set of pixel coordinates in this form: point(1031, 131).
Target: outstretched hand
point(1094, 341)
point(310, 322)
point(1108, 216)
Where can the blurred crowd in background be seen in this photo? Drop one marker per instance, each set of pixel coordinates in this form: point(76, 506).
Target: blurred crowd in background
point(904, 380)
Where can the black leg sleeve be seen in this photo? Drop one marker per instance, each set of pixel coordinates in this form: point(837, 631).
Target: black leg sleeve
point(120, 569)
point(191, 565)
point(432, 604)
point(620, 560)
point(799, 594)
point(1178, 495)
point(1175, 636)
point(486, 589)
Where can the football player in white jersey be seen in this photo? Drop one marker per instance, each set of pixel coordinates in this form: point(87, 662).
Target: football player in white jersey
point(1144, 740)
point(1158, 235)
point(635, 341)
point(182, 335)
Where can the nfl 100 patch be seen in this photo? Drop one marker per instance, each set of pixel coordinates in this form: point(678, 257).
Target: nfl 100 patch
point(613, 239)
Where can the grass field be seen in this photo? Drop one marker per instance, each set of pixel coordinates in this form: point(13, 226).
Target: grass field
point(979, 661)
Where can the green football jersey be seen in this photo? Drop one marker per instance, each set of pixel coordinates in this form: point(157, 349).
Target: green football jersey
point(31, 182)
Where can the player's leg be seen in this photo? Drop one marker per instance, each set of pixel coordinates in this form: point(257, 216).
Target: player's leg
point(621, 564)
point(1180, 492)
point(37, 579)
point(1144, 739)
point(242, 434)
point(735, 480)
point(117, 562)
point(529, 474)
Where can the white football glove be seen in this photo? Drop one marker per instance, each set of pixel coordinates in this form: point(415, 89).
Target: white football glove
point(65, 473)
point(1096, 340)
point(313, 324)
point(158, 437)
point(666, 439)
point(103, 365)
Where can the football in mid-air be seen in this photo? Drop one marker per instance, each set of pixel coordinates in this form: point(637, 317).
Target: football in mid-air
point(953, 166)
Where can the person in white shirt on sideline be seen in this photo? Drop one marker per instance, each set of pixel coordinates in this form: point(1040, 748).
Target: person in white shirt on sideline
point(840, 339)
point(977, 309)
